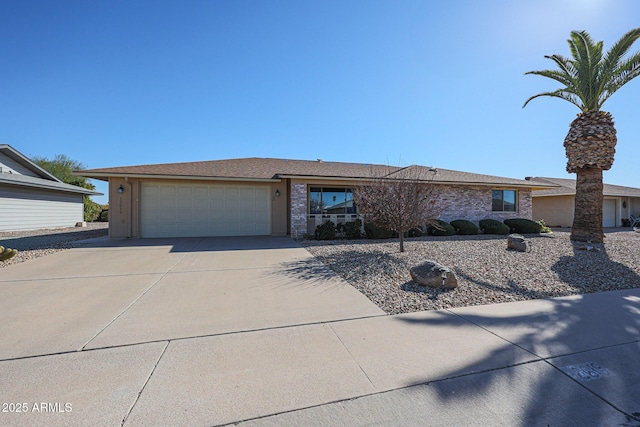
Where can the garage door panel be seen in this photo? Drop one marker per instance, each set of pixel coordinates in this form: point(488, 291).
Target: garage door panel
point(187, 210)
point(167, 190)
point(609, 213)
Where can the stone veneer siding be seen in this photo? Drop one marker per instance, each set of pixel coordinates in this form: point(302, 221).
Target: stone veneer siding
point(298, 210)
point(474, 204)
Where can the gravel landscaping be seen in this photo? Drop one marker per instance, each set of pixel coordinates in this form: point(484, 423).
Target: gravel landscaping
point(487, 272)
point(36, 243)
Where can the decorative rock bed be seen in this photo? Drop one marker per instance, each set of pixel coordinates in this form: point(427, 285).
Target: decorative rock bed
point(486, 271)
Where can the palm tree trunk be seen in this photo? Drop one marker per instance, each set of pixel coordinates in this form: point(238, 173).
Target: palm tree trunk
point(587, 219)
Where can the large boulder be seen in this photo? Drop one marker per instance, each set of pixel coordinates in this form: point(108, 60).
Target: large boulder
point(517, 243)
point(430, 273)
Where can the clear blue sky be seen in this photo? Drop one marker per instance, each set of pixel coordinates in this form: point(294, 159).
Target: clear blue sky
point(439, 83)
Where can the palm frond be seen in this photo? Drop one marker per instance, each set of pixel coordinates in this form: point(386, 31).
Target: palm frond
point(611, 62)
point(556, 75)
point(590, 77)
point(627, 71)
point(560, 93)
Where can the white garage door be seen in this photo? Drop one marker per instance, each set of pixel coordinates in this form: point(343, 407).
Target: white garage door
point(609, 213)
point(197, 210)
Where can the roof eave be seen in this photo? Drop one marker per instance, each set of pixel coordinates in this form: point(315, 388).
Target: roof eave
point(78, 190)
point(104, 176)
point(487, 184)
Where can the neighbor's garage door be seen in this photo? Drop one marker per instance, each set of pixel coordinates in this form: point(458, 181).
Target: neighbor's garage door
point(609, 213)
point(195, 210)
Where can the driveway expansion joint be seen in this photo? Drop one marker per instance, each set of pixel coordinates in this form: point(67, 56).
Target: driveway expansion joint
point(124, 420)
point(380, 392)
point(134, 302)
point(495, 334)
point(351, 355)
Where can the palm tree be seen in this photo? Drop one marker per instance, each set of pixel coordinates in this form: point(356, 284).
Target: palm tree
point(589, 79)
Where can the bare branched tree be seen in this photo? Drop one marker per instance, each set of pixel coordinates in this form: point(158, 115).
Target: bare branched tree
point(399, 199)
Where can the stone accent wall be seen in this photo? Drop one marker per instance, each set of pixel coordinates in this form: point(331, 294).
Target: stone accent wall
point(457, 202)
point(298, 210)
point(474, 204)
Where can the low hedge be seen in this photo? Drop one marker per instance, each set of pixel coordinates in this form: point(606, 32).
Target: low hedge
point(493, 226)
point(415, 232)
point(326, 231)
point(523, 226)
point(464, 227)
point(440, 228)
point(352, 229)
point(374, 232)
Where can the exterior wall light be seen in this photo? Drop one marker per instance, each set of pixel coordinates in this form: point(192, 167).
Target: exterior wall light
point(277, 192)
point(121, 189)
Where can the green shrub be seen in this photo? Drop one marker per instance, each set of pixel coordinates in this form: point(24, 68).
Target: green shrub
point(374, 232)
point(543, 227)
point(91, 209)
point(523, 226)
point(441, 228)
point(352, 229)
point(415, 232)
point(104, 216)
point(464, 227)
point(493, 226)
point(326, 231)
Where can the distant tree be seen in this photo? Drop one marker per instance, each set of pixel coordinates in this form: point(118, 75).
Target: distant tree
point(587, 80)
point(399, 200)
point(62, 167)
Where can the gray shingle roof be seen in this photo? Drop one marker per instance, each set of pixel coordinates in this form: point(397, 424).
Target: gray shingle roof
point(45, 180)
point(29, 181)
point(567, 187)
point(274, 169)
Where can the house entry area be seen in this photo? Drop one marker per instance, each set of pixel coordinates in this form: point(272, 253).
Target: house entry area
point(201, 210)
point(330, 204)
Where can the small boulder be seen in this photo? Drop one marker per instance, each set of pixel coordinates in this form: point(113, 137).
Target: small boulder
point(517, 243)
point(430, 273)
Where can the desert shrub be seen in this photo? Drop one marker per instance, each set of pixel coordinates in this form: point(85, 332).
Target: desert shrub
point(523, 225)
point(352, 229)
point(375, 232)
point(464, 227)
point(440, 228)
point(493, 226)
point(543, 227)
point(326, 231)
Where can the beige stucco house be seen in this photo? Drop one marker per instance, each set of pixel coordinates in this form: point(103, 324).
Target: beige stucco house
point(556, 205)
point(263, 196)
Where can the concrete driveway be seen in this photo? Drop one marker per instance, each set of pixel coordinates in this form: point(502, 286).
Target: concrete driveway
point(187, 332)
point(114, 293)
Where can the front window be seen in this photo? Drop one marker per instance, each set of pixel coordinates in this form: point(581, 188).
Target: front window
point(331, 201)
point(503, 201)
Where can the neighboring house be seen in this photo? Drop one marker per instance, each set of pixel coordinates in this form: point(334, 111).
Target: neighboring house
point(556, 205)
point(32, 198)
point(258, 196)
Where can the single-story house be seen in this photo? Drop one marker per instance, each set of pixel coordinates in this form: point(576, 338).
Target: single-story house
point(32, 198)
point(556, 205)
point(264, 196)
